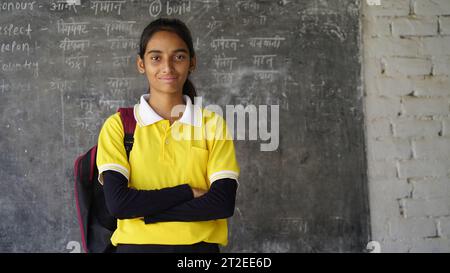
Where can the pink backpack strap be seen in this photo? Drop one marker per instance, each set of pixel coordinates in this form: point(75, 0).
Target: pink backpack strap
point(129, 125)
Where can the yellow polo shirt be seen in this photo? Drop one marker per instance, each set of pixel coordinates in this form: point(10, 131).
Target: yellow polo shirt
point(197, 149)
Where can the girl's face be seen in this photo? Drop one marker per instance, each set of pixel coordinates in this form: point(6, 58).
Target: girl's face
point(166, 63)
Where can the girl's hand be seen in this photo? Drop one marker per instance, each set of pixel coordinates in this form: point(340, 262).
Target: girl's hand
point(198, 192)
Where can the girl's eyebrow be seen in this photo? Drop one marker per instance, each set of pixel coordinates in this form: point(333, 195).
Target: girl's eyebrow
point(174, 51)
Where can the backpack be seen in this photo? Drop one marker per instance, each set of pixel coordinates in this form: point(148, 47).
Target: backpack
point(96, 223)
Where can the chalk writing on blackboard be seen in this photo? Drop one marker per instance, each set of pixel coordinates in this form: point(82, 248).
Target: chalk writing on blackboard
point(107, 7)
point(68, 44)
point(171, 8)
point(119, 26)
point(123, 43)
point(11, 30)
point(262, 60)
point(13, 46)
point(14, 86)
point(266, 42)
point(220, 61)
point(76, 62)
point(61, 6)
point(17, 6)
point(224, 43)
point(72, 28)
point(223, 78)
point(26, 65)
point(121, 60)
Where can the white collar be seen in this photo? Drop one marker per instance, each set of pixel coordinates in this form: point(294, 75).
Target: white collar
point(145, 115)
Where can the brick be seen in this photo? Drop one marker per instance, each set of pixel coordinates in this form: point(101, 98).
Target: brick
point(402, 66)
point(414, 26)
point(423, 207)
point(392, 189)
point(382, 209)
point(435, 7)
point(430, 245)
point(444, 25)
point(441, 66)
point(430, 188)
point(416, 128)
point(423, 168)
point(432, 148)
point(377, 26)
point(379, 128)
point(372, 67)
point(385, 86)
point(389, 148)
point(382, 107)
point(431, 86)
point(425, 106)
point(381, 169)
point(395, 46)
point(395, 246)
point(415, 228)
point(389, 8)
point(446, 127)
point(436, 46)
point(444, 224)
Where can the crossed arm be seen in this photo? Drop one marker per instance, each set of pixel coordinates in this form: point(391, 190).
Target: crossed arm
point(179, 203)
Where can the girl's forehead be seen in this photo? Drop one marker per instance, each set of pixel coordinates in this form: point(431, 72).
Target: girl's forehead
point(165, 39)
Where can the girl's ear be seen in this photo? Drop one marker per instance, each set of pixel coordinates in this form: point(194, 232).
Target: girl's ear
point(140, 64)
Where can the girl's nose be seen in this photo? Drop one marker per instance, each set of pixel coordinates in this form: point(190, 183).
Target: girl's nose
point(167, 66)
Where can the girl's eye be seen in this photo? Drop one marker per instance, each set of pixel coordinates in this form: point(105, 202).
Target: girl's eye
point(154, 58)
point(180, 57)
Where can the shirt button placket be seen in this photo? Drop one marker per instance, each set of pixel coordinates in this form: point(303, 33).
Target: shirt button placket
point(165, 139)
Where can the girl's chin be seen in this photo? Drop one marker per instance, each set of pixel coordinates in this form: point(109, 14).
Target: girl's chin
point(167, 90)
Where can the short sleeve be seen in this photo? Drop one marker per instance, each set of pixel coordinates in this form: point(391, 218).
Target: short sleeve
point(222, 161)
point(111, 154)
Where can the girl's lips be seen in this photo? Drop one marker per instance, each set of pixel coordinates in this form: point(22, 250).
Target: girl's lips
point(168, 79)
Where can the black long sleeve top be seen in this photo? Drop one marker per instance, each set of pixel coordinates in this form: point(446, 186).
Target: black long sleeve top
point(168, 204)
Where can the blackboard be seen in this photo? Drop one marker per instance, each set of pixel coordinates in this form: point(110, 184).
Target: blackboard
point(65, 66)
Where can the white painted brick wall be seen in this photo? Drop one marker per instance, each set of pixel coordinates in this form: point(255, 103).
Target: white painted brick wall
point(392, 8)
point(411, 128)
point(421, 106)
point(406, 46)
point(446, 127)
point(389, 87)
point(441, 65)
point(444, 25)
point(436, 46)
point(381, 127)
point(405, 66)
point(433, 86)
point(390, 148)
point(415, 26)
point(430, 188)
point(381, 169)
point(422, 168)
point(419, 227)
point(399, 47)
point(431, 7)
point(383, 107)
point(445, 225)
point(432, 148)
point(423, 207)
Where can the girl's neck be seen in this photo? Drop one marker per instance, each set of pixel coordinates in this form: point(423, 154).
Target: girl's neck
point(163, 104)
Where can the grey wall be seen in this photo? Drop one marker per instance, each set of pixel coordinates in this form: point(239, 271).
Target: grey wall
point(307, 196)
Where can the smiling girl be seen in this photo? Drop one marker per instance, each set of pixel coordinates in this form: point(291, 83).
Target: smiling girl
point(173, 194)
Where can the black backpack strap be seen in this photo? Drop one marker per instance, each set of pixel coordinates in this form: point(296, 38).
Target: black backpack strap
point(129, 125)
